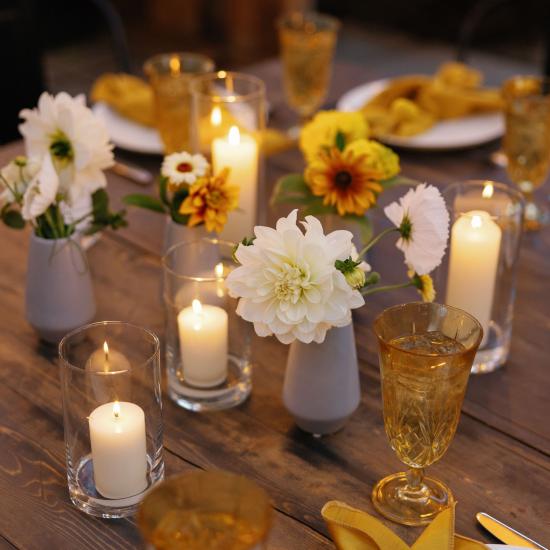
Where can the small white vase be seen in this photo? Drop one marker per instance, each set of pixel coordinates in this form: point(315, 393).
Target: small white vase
point(59, 294)
point(321, 388)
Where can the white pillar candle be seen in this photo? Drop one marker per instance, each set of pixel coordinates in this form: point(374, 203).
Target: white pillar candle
point(203, 332)
point(239, 152)
point(475, 247)
point(119, 450)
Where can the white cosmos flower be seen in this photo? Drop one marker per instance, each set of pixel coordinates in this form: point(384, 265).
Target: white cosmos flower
point(41, 192)
point(423, 222)
point(65, 129)
point(287, 282)
point(184, 168)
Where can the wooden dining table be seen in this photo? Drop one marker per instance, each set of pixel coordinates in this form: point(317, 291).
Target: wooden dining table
point(497, 463)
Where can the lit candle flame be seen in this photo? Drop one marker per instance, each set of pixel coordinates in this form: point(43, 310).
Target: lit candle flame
point(219, 284)
point(219, 270)
point(197, 307)
point(488, 191)
point(234, 136)
point(476, 222)
point(216, 116)
point(116, 409)
point(175, 65)
point(106, 349)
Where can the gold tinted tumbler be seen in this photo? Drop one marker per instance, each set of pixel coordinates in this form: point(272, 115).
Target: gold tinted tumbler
point(426, 353)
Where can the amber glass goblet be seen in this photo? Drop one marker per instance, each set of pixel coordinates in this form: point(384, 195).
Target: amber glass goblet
point(426, 353)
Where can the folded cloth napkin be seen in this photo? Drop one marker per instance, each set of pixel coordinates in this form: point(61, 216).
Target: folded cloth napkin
point(132, 97)
point(353, 529)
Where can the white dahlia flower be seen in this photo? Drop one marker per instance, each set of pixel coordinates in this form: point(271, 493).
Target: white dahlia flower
point(288, 284)
point(41, 192)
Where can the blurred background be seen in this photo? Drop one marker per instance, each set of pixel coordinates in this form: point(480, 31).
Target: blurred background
point(65, 45)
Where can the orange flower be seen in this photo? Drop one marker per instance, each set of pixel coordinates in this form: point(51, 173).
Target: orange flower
point(210, 199)
point(345, 180)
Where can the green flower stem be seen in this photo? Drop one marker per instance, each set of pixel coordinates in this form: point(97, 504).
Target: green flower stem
point(16, 196)
point(385, 288)
point(374, 240)
point(60, 222)
point(51, 223)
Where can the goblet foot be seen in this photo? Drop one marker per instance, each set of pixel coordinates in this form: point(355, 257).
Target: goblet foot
point(396, 500)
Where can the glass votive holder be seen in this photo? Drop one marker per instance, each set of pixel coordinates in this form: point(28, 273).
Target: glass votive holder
point(111, 387)
point(170, 75)
point(206, 510)
point(207, 343)
point(478, 274)
point(228, 119)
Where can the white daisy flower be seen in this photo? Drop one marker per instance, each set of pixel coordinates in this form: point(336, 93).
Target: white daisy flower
point(183, 167)
point(42, 191)
point(288, 284)
point(77, 141)
point(423, 222)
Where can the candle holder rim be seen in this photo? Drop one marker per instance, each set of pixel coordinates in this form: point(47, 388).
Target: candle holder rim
point(476, 323)
point(312, 16)
point(213, 279)
point(148, 361)
point(150, 62)
point(194, 87)
point(508, 94)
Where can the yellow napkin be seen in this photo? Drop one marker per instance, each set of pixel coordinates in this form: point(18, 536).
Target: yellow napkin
point(353, 529)
point(132, 97)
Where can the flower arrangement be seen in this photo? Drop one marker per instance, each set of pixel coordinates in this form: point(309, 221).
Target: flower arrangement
point(190, 193)
point(59, 186)
point(345, 170)
point(298, 284)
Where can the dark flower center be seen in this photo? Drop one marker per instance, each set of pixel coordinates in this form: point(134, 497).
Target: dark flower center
point(343, 179)
point(60, 147)
point(184, 167)
point(405, 228)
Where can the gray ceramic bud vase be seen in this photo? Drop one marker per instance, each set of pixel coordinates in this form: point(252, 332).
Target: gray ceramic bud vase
point(175, 233)
point(321, 388)
point(59, 294)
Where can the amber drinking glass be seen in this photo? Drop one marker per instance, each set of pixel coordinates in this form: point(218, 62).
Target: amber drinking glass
point(426, 353)
point(307, 42)
point(527, 141)
point(170, 75)
point(206, 510)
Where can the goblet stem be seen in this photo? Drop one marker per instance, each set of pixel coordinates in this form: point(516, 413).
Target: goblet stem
point(415, 476)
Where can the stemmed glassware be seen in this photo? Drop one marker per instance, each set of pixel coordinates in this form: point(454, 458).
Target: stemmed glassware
point(426, 352)
point(527, 141)
point(307, 42)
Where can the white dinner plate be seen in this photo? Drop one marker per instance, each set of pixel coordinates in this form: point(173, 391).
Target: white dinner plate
point(129, 135)
point(448, 134)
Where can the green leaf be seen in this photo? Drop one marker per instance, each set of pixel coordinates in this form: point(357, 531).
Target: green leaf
point(340, 140)
point(100, 202)
point(397, 181)
point(316, 207)
point(179, 196)
point(144, 201)
point(13, 219)
point(365, 225)
point(102, 216)
point(291, 189)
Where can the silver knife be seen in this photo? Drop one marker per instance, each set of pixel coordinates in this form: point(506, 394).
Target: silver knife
point(505, 533)
point(132, 172)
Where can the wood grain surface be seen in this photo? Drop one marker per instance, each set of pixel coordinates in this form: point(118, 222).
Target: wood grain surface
point(499, 461)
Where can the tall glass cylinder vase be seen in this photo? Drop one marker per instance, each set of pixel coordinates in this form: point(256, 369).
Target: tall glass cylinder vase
point(478, 274)
point(228, 118)
point(207, 344)
point(110, 376)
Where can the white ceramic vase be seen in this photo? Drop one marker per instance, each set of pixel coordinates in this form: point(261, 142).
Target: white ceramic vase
point(321, 388)
point(175, 233)
point(59, 293)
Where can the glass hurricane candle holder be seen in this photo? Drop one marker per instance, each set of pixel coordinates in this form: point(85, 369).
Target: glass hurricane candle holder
point(170, 75)
point(228, 120)
point(478, 274)
point(207, 344)
point(206, 510)
point(111, 386)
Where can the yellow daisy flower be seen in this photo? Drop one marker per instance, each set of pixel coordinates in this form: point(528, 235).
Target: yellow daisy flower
point(320, 133)
point(210, 199)
point(344, 179)
point(424, 284)
point(378, 157)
